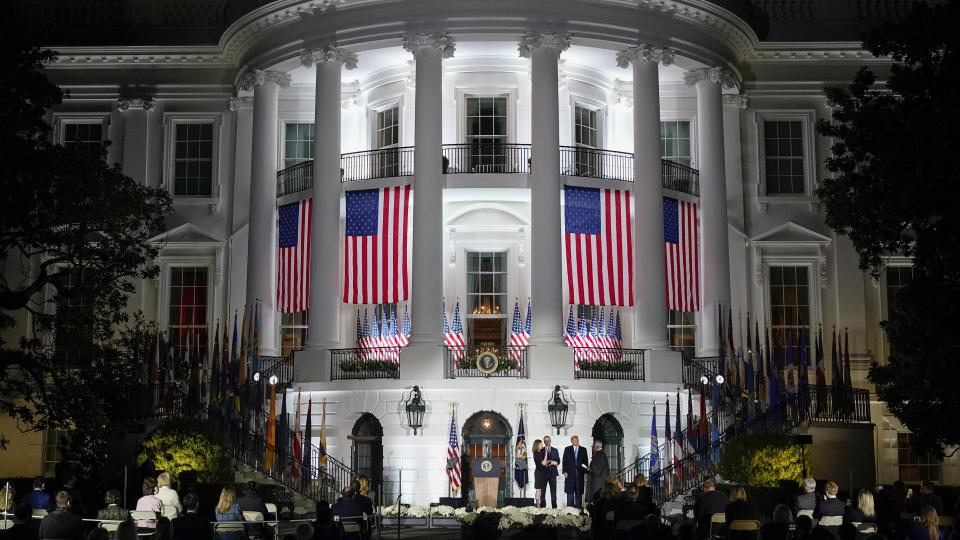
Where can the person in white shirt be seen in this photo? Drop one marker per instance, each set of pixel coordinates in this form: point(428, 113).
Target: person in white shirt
point(168, 496)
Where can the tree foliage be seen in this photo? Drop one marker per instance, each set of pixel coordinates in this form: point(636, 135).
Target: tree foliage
point(179, 446)
point(762, 460)
point(894, 192)
point(74, 229)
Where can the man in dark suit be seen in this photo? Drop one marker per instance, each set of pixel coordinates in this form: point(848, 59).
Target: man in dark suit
point(927, 498)
point(710, 503)
point(633, 507)
point(551, 458)
point(347, 509)
point(599, 471)
point(190, 525)
point(252, 502)
point(61, 523)
point(574, 472)
point(830, 505)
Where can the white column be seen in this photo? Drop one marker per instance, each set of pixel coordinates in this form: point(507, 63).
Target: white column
point(135, 144)
point(546, 287)
point(262, 228)
point(428, 50)
point(713, 201)
point(650, 293)
point(325, 251)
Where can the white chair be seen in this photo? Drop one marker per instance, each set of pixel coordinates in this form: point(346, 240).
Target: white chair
point(830, 521)
point(717, 522)
point(808, 513)
point(250, 515)
point(142, 517)
point(271, 510)
point(228, 526)
point(39, 514)
point(865, 528)
point(109, 526)
point(6, 522)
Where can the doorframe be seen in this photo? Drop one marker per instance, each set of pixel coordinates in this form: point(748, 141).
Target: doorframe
point(376, 465)
point(506, 489)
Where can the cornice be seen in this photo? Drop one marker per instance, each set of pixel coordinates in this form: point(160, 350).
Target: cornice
point(794, 51)
point(414, 43)
point(142, 104)
point(554, 42)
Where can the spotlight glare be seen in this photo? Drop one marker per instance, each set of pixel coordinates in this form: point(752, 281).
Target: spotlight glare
point(720, 379)
point(274, 379)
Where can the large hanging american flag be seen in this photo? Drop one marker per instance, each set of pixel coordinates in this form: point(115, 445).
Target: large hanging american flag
point(598, 246)
point(453, 456)
point(681, 244)
point(293, 259)
point(375, 246)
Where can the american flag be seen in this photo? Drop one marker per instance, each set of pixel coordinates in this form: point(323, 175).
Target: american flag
point(528, 323)
point(681, 244)
point(375, 247)
point(405, 329)
point(598, 246)
point(453, 456)
point(456, 331)
point(293, 259)
point(518, 340)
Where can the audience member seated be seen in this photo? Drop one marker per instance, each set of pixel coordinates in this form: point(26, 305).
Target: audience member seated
point(929, 526)
point(804, 528)
point(323, 527)
point(98, 533)
point(168, 496)
point(22, 528)
point(886, 510)
point(806, 501)
point(863, 512)
point(164, 529)
point(847, 531)
point(229, 510)
point(739, 509)
point(252, 502)
point(646, 493)
point(685, 531)
point(38, 499)
point(149, 502)
point(61, 523)
point(656, 530)
point(779, 527)
point(8, 499)
point(632, 507)
point(830, 505)
point(359, 494)
point(711, 502)
point(606, 502)
point(927, 498)
point(112, 510)
point(347, 509)
point(191, 525)
point(304, 531)
point(126, 531)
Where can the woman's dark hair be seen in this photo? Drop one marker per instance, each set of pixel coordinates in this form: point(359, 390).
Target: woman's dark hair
point(164, 529)
point(127, 530)
point(149, 484)
point(191, 501)
point(112, 496)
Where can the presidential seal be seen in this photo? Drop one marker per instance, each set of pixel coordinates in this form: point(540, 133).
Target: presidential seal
point(487, 362)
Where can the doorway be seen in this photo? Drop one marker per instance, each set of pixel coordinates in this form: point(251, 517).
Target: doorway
point(609, 432)
point(366, 456)
point(493, 427)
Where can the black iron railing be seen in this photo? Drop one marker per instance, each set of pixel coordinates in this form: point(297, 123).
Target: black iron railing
point(373, 164)
point(596, 163)
point(486, 157)
point(608, 363)
point(295, 178)
point(679, 177)
point(511, 362)
point(365, 363)
point(695, 369)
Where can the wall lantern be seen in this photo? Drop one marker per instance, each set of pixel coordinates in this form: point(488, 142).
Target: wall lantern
point(558, 409)
point(415, 410)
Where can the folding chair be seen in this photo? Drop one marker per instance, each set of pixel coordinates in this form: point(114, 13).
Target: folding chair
point(109, 526)
point(271, 510)
point(831, 521)
point(229, 527)
point(141, 516)
point(808, 513)
point(717, 522)
point(865, 527)
point(39, 514)
point(738, 528)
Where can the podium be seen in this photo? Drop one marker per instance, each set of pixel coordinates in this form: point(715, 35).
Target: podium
point(486, 480)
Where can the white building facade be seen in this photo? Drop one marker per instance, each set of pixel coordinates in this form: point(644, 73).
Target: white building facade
point(488, 109)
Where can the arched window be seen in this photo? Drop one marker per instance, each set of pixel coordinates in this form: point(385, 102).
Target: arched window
point(608, 431)
point(367, 451)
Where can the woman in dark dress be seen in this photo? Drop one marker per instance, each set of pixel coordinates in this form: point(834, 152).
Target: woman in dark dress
point(539, 473)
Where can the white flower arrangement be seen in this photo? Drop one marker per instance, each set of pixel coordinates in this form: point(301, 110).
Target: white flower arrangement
point(442, 511)
point(417, 512)
point(517, 518)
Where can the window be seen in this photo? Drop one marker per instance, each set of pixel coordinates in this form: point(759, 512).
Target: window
point(188, 305)
point(675, 141)
point(789, 306)
point(85, 137)
point(897, 277)
point(486, 133)
point(609, 432)
point(682, 331)
point(783, 157)
point(193, 159)
point(298, 143)
point(486, 300)
point(914, 466)
point(293, 332)
point(388, 137)
point(585, 137)
point(53, 439)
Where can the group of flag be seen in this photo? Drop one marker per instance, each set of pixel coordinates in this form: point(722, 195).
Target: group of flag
point(596, 340)
point(684, 450)
point(453, 335)
point(765, 374)
point(291, 450)
point(382, 340)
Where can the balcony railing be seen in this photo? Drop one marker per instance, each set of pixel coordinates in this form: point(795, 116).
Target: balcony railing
point(596, 163)
point(373, 164)
point(512, 362)
point(679, 177)
point(694, 369)
point(367, 363)
point(603, 363)
point(295, 178)
point(490, 158)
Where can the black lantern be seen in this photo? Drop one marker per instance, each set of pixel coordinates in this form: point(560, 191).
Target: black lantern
point(558, 409)
point(415, 410)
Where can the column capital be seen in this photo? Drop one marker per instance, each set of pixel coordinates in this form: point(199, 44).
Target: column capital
point(644, 53)
point(329, 53)
point(557, 42)
point(441, 41)
point(143, 104)
point(238, 103)
point(741, 101)
point(259, 77)
point(717, 75)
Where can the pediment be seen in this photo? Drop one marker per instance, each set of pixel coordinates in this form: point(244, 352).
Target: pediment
point(187, 233)
point(790, 234)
